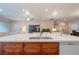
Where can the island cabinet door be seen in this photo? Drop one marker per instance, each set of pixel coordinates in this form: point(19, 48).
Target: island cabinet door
point(31, 48)
point(50, 48)
point(12, 48)
point(1, 48)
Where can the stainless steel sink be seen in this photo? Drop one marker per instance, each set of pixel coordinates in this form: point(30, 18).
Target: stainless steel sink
point(40, 38)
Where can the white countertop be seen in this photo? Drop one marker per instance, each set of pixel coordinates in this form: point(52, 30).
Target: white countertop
point(56, 37)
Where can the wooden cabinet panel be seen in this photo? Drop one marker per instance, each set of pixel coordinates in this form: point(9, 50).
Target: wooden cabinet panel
point(31, 48)
point(12, 51)
point(13, 45)
point(0, 51)
point(42, 48)
point(1, 48)
point(32, 45)
point(50, 51)
point(50, 45)
point(31, 51)
point(12, 48)
point(50, 48)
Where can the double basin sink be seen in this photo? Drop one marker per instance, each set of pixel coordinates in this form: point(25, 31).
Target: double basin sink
point(40, 38)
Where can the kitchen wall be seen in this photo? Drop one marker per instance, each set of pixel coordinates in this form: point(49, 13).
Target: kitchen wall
point(73, 26)
point(17, 25)
point(5, 21)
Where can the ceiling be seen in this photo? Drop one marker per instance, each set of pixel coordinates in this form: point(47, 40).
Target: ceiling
point(40, 11)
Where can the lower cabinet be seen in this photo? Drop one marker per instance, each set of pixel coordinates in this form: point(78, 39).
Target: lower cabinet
point(69, 48)
point(29, 48)
point(1, 48)
point(13, 48)
point(32, 48)
point(50, 51)
point(50, 48)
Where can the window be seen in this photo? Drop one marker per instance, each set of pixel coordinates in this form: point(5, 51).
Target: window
point(4, 27)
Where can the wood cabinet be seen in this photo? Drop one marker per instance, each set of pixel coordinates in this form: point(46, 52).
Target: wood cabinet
point(42, 48)
point(12, 48)
point(1, 48)
point(32, 48)
point(50, 48)
point(29, 48)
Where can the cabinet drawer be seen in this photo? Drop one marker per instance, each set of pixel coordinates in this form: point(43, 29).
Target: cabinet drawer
point(50, 51)
point(12, 45)
point(32, 45)
point(50, 45)
point(31, 51)
point(12, 51)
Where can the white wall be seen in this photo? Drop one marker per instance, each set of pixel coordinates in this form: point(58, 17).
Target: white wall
point(73, 26)
point(7, 21)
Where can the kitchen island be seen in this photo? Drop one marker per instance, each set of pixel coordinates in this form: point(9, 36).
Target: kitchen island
point(21, 44)
point(53, 37)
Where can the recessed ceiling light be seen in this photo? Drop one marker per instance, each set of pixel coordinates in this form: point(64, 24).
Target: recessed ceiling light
point(27, 13)
point(54, 13)
point(28, 19)
point(23, 10)
point(1, 10)
point(46, 10)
